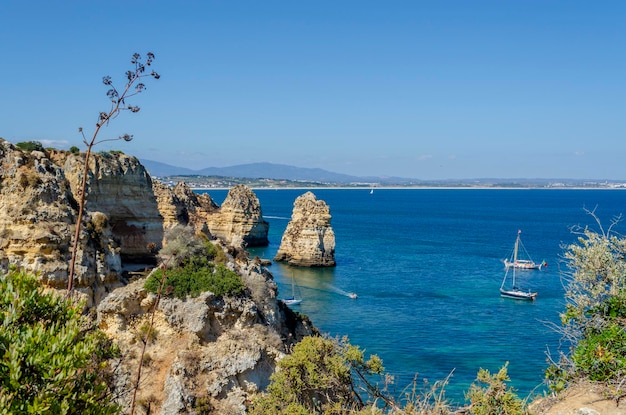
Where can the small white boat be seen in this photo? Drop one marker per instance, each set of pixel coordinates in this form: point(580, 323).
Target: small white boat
point(517, 294)
point(515, 261)
point(353, 296)
point(293, 300)
point(514, 291)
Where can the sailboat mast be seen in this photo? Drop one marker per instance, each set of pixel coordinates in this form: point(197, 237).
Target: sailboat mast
point(516, 247)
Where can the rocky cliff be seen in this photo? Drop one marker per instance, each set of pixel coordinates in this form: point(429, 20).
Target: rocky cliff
point(210, 353)
point(239, 221)
point(37, 215)
point(125, 213)
point(121, 188)
point(182, 206)
point(308, 240)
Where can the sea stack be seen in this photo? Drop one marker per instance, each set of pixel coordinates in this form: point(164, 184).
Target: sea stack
point(239, 220)
point(309, 240)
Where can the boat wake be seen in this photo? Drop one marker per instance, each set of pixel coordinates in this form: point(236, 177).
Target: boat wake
point(276, 217)
point(340, 291)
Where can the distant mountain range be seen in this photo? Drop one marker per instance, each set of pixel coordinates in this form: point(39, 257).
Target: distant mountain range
point(269, 171)
point(292, 173)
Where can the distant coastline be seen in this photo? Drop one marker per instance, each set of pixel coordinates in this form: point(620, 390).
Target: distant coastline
point(198, 182)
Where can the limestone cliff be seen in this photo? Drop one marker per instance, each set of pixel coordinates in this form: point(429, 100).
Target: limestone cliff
point(210, 353)
point(182, 206)
point(120, 187)
point(308, 240)
point(37, 215)
point(240, 220)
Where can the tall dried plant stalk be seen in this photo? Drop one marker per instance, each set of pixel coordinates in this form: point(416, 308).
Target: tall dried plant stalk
point(118, 104)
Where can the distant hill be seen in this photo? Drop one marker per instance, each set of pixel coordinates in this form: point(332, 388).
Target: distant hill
point(292, 173)
point(267, 171)
point(162, 170)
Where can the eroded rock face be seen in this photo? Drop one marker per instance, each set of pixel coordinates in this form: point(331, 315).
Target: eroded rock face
point(209, 353)
point(37, 216)
point(182, 206)
point(120, 187)
point(308, 240)
point(240, 219)
point(36, 213)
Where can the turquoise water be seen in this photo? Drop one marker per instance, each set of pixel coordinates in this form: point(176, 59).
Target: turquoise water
point(427, 266)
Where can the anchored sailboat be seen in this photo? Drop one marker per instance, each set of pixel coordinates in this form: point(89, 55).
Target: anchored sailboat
point(293, 300)
point(512, 267)
point(516, 261)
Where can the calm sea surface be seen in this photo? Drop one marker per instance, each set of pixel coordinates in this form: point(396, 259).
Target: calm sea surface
point(427, 266)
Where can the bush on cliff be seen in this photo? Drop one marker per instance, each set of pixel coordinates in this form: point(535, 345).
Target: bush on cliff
point(490, 394)
point(320, 376)
point(52, 361)
point(30, 146)
point(192, 267)
point(595, 316)
point(192, 279)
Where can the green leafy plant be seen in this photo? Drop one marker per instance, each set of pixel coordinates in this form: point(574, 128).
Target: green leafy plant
point(193, 279)
point(601, 356)
point(321, 375)
point(490, 395)
point(594, 319)
point(30, 146)
point(52, 362)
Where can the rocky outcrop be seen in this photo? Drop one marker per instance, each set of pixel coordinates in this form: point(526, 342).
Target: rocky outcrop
point(182, 206)
point(210, 353)
point(36, 214)
point(121, 188)
point(239, 221)
point(308, 240)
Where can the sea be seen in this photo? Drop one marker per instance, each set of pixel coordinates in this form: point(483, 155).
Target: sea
point(427, 265)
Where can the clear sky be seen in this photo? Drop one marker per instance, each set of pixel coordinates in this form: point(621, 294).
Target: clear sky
point(419, 89)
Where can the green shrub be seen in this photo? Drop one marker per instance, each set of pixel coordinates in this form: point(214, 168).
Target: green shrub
point(594, 318)
point(74, 150)
point(491, 395)
point(601, 356)
point(318, 377)
point(30, 146)
point(52, 363)
point(193, 279)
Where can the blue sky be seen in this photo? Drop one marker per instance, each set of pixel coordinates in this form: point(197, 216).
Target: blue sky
point(420, 89)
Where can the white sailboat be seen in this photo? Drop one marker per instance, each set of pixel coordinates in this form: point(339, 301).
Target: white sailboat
point(513, 291)
point(516, 261)
point(293, 300)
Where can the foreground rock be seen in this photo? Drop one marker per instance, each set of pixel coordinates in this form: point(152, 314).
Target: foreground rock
point(309, 240)
point(583, 398)
point(210, 354)
point(38, 211)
